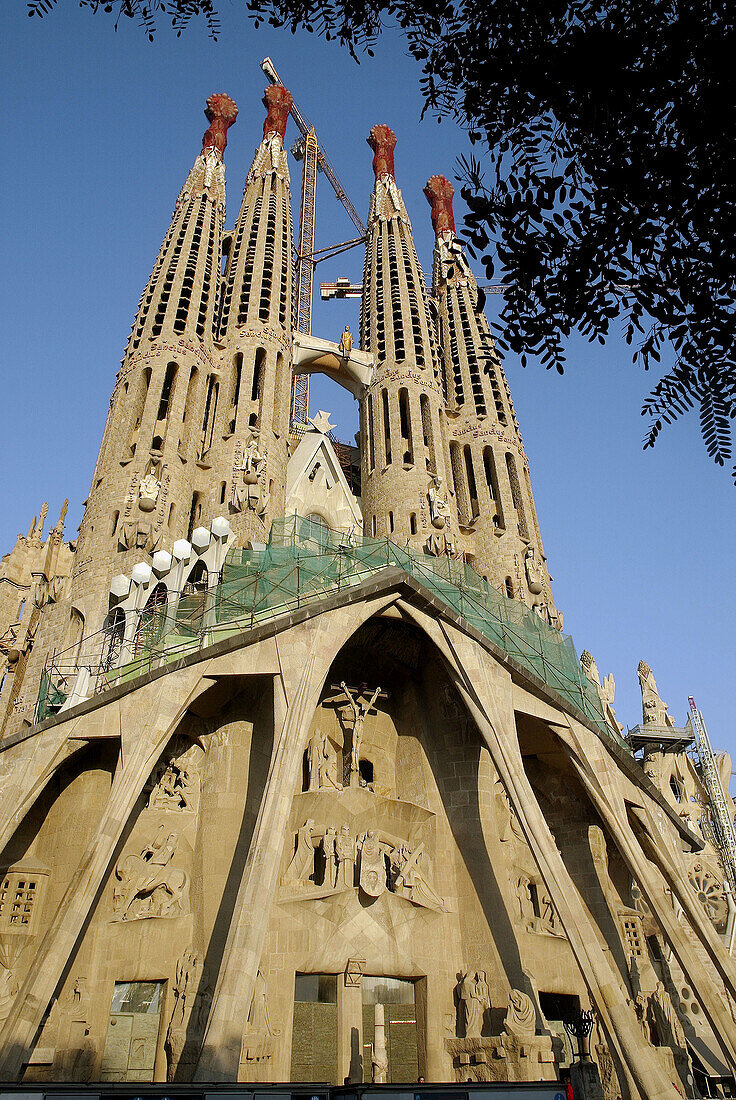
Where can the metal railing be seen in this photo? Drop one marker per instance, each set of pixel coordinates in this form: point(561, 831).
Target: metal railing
point(303, 562)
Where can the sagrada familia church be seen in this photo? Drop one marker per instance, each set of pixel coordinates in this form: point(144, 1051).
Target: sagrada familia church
point(300, 779)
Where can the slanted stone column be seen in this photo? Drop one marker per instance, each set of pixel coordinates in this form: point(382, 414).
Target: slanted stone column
point(136, 763)
point(486, 690)
point(648, 877)
point(305, 658)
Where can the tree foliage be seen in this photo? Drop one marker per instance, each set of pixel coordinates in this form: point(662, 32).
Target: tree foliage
point(604, 186)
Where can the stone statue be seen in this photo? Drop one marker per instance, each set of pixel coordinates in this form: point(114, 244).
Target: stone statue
point(654, 710)
point(184, 984)
point(301, 868)
point(520, 1022)
point(510, 828)
point(249, 485)
point(360, 713)
point(345, 856)
point(533, 569)
point(474, 1000)
point(150, 887)
point(259, 1034)
point(328, 847)
point(438, 507)
point(322, 763)
point(346, 342)
point(665, 1019)
point(148, 491)
point(372, 864)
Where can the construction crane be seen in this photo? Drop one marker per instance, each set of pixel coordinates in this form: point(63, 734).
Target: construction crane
point(722, 820)
point(313, 159)
point(343, 288)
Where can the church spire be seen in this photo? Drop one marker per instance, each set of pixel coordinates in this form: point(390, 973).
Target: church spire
point(179, 299)
point(254, 330)
point(160, 427)
point(498, 519)
point(405, 491)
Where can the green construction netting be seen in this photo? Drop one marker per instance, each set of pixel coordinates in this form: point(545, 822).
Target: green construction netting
point(305, 560)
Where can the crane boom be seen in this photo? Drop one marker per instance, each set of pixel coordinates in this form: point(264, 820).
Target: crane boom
point(323, 162)
point(722, 820)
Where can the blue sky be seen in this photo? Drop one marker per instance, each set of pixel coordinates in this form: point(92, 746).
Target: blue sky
point(99, 131)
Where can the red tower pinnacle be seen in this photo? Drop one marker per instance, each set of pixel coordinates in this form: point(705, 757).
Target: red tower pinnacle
point(277, 99)
point(382, 141)
point(439, 192)
point(221, 112)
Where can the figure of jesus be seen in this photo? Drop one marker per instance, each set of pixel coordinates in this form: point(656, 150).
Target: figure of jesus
point(360, 712)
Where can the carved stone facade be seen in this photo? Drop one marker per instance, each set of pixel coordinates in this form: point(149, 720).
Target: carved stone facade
point(341, 834)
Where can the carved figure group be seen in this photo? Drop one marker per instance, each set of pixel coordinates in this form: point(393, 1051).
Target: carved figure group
point(535, 907)
point(174, 789)
point(331, 859)
point(474, 1000)
point(149, 885)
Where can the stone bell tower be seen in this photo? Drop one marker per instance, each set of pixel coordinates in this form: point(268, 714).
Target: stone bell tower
point(499, 531)
point(160, 426)
point(254, 330)
point(406, 491)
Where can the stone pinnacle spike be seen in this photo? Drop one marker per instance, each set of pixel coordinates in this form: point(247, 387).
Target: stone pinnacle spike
point(221, 112)
point(439, 192)
point(277, 100)
point(382, 141)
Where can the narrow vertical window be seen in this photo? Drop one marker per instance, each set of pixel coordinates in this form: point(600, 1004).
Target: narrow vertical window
point(472, 490)
point(186, 420)
point(509, 585)
point(371, 434)
point(166, 390)
point(516, 495)
point(489, 469)
point(194, 513)
point(237, 376)
point(407, 446)
point(210, 411)
point(458, 479)
point(413, 523)
point(390, 523)
point(256, 389)
point(386, 427)
point(427, 434)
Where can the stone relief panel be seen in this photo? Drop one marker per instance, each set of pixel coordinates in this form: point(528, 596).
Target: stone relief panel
point(536, 911)
point(175, 784)
point(151, 882)
point(329, 860)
